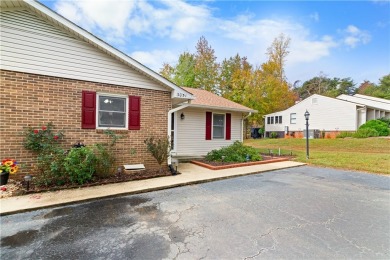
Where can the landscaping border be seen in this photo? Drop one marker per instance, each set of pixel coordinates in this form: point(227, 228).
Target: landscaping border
point(234, 165)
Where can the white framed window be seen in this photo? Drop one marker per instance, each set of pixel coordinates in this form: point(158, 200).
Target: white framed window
point(293, 118)
point(218, 126)
point(280, 119)
point(112, 111)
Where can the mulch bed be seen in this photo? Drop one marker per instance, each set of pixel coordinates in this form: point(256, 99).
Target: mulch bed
point(16, 188)
point(226, 165)
point(265, 158)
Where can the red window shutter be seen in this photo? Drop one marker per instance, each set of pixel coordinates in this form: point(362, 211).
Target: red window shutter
point(134, 113)
point(228, 126)
point(88, 114)
point(209, 117)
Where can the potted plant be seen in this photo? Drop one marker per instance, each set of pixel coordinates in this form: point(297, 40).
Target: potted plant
point(7, 167)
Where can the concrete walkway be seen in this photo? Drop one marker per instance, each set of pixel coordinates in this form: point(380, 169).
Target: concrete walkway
point(191, 174)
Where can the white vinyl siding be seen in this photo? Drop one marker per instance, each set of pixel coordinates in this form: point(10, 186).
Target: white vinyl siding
point(328, 114)
point(191, 132)
point(30, 44)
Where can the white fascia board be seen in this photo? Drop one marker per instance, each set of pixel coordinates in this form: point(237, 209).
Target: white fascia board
point(104, 46)
point(181, 93)
point(224, 108)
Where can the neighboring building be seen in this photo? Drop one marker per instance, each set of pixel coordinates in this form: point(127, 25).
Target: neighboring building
point(375, 107)
point(53, 71)
point(206, 123)
point(344, 113)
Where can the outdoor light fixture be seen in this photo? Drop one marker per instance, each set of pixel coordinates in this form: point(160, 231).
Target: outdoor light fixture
point(307, 115)
point(182, 116)
point(27, 179)
point(119, 170)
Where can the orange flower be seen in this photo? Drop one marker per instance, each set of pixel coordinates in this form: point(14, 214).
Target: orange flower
point(8, 163)
point(13, 170)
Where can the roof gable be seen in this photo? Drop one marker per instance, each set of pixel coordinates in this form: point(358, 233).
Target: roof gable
point(378, 103)
point(79, 33)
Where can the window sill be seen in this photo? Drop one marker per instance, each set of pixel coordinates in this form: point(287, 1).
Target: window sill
point(116, 130)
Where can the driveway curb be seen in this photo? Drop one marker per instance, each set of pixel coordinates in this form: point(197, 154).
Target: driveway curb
point(12, 209)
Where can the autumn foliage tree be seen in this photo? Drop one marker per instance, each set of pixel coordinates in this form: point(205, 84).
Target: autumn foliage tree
point(264, 88)
point(381, 91)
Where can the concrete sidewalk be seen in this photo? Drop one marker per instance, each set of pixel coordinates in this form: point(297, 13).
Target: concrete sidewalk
point(191, 174)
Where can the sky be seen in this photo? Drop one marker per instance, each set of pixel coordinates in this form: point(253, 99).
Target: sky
point(330, 38)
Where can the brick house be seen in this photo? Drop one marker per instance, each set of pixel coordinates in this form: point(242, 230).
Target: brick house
point(53, 71)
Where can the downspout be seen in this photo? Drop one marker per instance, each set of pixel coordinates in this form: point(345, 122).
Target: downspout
point(169, 125)
point(242, 126)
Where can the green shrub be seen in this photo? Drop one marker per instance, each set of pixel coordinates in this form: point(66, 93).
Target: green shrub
point(366, 132)
point(385, 120)
point(159, 148)
point(50, 169)
point(105, 155)
point(378, 125)
point(42, 139)
point(345, 134)
point(80, 165)
point(273, 135)
point(237, 152)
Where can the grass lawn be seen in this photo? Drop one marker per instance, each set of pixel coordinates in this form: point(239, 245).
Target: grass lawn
point(369, 155)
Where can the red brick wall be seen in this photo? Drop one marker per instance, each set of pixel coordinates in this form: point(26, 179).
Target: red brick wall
point(35, 100)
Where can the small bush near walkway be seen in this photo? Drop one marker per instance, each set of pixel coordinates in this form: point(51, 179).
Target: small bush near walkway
point(237, 152)
point(78, 165)
point(159, 148)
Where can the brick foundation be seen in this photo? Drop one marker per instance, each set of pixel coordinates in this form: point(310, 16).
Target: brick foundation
point(35, 100)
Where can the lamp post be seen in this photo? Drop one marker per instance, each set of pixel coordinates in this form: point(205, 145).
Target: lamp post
point(307, 115)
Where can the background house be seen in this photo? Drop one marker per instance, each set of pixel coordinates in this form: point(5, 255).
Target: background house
point(344, 113)
point(53, 71)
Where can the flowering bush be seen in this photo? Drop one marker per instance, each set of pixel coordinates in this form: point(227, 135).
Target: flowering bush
point(39, 140)
point(9, 166)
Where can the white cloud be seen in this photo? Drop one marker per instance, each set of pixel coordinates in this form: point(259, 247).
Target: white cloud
point(154, 59)
point(353, 36)
point(177, 25)
point(106, 17)
point(117, 20)
point(260, 33)
point(174, 19)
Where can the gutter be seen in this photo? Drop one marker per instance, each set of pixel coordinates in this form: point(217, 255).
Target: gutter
point(224, 108)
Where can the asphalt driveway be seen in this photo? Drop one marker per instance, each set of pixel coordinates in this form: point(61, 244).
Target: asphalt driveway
point(303, 212)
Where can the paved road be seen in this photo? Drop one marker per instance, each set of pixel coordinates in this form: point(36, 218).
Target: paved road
point(296, 213)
